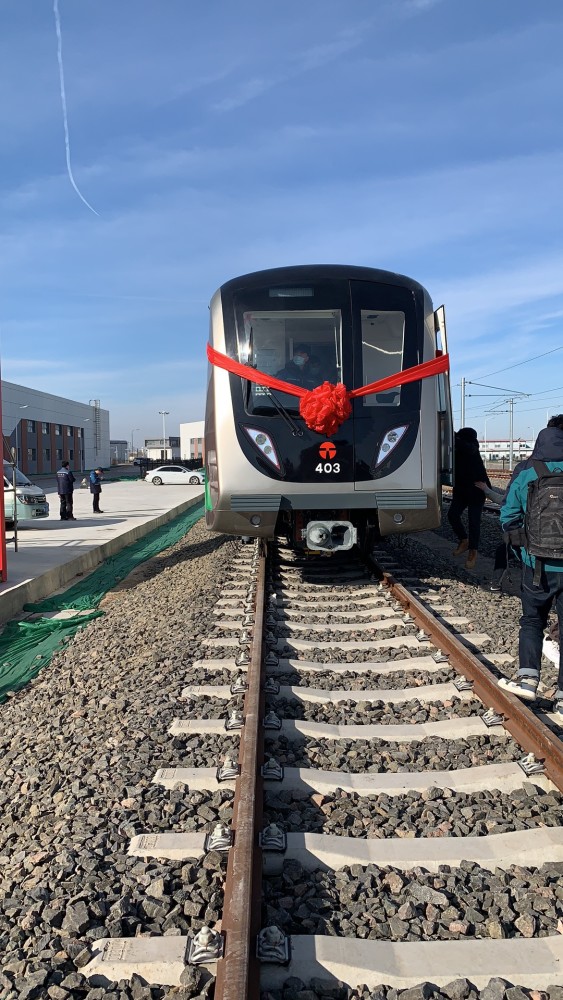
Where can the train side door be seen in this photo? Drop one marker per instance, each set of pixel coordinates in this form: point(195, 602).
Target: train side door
point(445, 419)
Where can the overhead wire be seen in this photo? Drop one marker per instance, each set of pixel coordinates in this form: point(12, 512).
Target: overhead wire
point(519, 363)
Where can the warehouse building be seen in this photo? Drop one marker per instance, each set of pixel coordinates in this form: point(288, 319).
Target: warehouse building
point(45, 430)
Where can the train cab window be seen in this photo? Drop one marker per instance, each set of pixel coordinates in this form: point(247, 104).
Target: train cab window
point(383, 338)
point(274, 342)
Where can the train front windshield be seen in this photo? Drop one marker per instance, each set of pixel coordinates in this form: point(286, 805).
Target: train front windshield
point(305, 336)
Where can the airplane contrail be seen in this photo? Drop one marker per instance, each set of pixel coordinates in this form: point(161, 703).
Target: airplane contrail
point(63, 102)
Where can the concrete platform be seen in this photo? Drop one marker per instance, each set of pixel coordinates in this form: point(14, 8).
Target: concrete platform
point(51, 552)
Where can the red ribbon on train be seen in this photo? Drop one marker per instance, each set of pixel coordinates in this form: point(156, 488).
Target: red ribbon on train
point(325, 408)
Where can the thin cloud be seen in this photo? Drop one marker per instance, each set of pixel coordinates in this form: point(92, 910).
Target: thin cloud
point(302, 62)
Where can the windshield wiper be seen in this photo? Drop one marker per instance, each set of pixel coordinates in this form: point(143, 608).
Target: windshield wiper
point(295, 429)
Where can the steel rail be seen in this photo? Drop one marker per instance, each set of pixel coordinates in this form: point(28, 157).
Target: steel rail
point(238, 972)
point(529, 731)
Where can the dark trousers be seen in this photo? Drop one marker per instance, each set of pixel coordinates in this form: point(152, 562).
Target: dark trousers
point(66, 506)
point(537, 602)
point(96, 502)
point(474, 511)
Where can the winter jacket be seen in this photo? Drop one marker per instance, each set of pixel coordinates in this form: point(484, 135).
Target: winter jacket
point(298, 376)
point(469, 468)
point(95, 482)
point(549, 449)
point(65, 482)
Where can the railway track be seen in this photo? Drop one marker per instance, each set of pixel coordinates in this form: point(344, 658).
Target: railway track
point(350, 699)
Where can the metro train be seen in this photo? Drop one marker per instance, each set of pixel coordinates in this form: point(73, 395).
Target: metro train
point(328, 416)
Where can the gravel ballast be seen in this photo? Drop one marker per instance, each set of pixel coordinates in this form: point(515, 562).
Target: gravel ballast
point(80, 747)
point(389, 905)
point(82, 743)
point(434, 812)
point(378, 756)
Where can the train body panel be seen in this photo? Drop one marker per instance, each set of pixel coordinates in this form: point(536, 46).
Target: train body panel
point(380, 470)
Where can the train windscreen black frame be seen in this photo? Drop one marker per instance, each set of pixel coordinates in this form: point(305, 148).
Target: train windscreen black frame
point(273, 324)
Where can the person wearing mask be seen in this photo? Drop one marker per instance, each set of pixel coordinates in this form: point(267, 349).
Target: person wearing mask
point(65, 489)
point(96, 489)
point(542, 576)
point(297, 371)
point(468, 469)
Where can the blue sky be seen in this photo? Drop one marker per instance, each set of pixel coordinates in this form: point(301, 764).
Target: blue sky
point(421, 136)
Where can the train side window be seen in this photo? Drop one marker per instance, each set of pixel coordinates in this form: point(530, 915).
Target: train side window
point(383, 339)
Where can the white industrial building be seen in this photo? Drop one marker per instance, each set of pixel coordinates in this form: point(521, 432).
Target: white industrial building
point(499, 450)
point(191, 440)
point(162, 449)
point(47, 429)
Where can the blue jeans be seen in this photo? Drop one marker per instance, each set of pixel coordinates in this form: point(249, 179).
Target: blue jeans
point(536, 605)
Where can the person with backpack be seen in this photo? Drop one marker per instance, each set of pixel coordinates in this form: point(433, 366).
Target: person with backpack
point(532, 514)
point(96, 489)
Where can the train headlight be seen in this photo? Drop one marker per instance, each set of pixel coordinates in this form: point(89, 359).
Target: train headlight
point(264, 444)
point(390, 441)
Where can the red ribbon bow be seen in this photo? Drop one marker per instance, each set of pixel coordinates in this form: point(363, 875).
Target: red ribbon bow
point(325, 408)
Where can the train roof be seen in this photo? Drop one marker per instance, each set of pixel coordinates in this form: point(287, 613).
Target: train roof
point(312, 272)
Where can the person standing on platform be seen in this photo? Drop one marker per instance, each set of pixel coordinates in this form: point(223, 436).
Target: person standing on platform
point(468, 469)
point(96, 489)
point(65, 489)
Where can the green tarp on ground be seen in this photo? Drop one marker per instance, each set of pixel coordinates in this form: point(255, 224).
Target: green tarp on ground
point(27, 646)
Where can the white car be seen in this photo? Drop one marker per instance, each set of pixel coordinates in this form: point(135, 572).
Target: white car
point(172, 475)
point(31, 501)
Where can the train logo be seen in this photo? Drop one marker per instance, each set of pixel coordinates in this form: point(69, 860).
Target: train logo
point(327, 450)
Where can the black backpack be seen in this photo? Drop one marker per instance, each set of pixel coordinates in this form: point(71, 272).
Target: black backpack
point(544, 516)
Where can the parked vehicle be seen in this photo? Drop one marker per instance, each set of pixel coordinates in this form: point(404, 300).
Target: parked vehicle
point(173, 475)
point(31, 501)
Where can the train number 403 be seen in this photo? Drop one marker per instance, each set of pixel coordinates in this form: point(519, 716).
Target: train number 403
point(328, 467)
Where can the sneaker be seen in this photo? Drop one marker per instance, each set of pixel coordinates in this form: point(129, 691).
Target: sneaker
point(462, 547)
point(496, 581)
point(471, 559)
point(525, 688)
point(558, 712)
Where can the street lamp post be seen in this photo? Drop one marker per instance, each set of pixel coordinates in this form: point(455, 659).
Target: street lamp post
point(486, 442)
point(132, 446)
point(164, 414)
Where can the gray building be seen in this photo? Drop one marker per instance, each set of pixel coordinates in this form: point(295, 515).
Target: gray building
point(45, 430)
point(119, 451)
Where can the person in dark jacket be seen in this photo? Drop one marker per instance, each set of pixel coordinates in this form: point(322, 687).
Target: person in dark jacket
point(297, 371)
point(65, 489)
point(468, 469)
point(537, 599)
point(96, 489)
